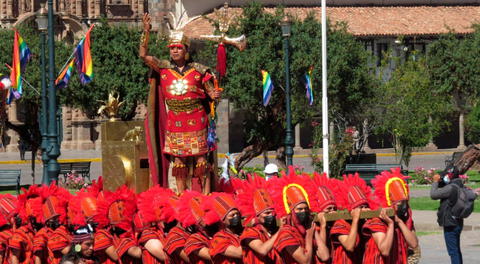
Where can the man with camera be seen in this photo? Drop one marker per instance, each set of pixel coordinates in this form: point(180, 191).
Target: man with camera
point(456, 203)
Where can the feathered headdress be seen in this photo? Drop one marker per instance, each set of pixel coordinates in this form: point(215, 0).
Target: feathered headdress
point(139, 222)
point(96, 188)
point(30, 203)
point(8, 205)
point(217, 206)
point(157, 204)
point(290, 190)
point(326, 193)
point(252, 196)
point(81, 208)
point(356, 192)
point(190, 210)
point(55, 200)
point(391, 186)
point(117, 208)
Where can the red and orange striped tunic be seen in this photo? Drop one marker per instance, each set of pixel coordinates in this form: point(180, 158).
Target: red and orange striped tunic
point(5, 235)
point(339, 254)
point(22, 242)
point(122, 245)
point(175, 243)
point(147, 234)
point(250, 256)
point(103, 240)
point(59, 239)
point(288, 236)
point(40, 240)
point(399, 245)
point(220, 242)
point(372, 253)
point(195, 243)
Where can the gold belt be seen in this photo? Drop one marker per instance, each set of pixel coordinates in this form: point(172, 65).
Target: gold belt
point(186, 105)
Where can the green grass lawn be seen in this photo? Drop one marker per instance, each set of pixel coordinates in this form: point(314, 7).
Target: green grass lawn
point(425, 203)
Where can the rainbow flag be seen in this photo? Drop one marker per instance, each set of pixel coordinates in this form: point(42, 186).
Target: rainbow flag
point(64, 77)
point(267, 87)
point(308, 85)
point(84, 59)
point(20, 58)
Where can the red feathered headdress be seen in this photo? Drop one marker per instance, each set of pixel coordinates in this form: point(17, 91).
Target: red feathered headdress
point(96, 188)
point(117, 208)
point(217, 206)
point(30, 203)
point(290, 190)
point(252, 196)
point(325, 195)
point(391, 186)
point(356, 192)
point(81, 208)
point(139, 222)
point(190, 210)
point(55, 200)
point(156, 204)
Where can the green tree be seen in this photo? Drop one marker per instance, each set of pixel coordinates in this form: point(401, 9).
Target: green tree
point(453, 68)
point(408, 110)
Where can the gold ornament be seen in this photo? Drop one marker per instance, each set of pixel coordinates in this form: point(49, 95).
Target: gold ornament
point(178, 87)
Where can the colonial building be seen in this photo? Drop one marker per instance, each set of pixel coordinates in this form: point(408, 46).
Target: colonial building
point(398, 25)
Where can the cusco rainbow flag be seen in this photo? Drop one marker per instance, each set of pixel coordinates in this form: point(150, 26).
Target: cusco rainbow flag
point(20, 58)
point(64, 77)
point(308, 85)
point(84, 59)
point(267, 87)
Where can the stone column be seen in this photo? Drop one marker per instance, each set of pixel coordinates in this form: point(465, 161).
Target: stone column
point(223, 126)
point(331, 131)
point(67, 142)
point(78, 10)
point(9, 8)
point(98, 130)
point(297, 138)
point(430, 145)
point(14, 137)
point(81, 126)
point(97, 8)
point(461, 132)
point(366, 134)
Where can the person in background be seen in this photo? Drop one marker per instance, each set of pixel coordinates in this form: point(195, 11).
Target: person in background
point(271, 170)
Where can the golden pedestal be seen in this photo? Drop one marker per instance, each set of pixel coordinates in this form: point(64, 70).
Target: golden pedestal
point(125, 156)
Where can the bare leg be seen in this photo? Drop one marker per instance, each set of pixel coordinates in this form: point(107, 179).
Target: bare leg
point(202, 173)
point(180, 172)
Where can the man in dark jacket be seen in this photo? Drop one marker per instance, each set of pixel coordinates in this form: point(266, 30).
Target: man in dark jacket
point(443, 188)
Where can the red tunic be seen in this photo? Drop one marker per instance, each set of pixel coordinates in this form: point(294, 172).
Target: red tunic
point(40, 243)
point(22, 240)
point(59, 239)
point(288, 236)
point(250, 256)
point(5, 235)
point(339, 254)
point(103, 240)
point(147, 234)
point(220, 242)
point(122, 245)
point(372, 253)
point(195, 243)
point(175, 243)
point(186, 128)
point(399, 245)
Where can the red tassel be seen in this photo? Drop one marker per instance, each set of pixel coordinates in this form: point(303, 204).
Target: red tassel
point(221, 60)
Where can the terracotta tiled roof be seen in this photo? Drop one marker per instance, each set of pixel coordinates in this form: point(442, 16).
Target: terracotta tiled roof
point(378, 21)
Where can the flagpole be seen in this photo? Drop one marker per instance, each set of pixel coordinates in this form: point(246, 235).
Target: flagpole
point(325, 145)
point(73, 53)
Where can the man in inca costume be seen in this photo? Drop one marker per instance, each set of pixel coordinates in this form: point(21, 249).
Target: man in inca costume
point(177, 122)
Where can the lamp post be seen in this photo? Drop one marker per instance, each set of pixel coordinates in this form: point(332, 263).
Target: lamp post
point(289, 141)
point(53, 149)
point(42, 23)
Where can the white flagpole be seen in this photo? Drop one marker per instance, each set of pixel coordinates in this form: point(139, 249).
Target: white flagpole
point(324, 90)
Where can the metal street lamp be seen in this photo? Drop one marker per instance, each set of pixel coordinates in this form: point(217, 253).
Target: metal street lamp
point(289, 140)
point(53, 149)
point(42, 23)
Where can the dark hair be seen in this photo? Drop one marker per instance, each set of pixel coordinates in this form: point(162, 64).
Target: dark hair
point(450, 170)
point(75, 257)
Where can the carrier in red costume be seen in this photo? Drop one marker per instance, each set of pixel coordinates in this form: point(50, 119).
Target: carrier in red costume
point(8, 207)
point(176, 124)
point(156, 208)
point(291, 195)
point(115, 242)
point(191, 216)
point(221, 209)
point(391, 189)
point(261, 231)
